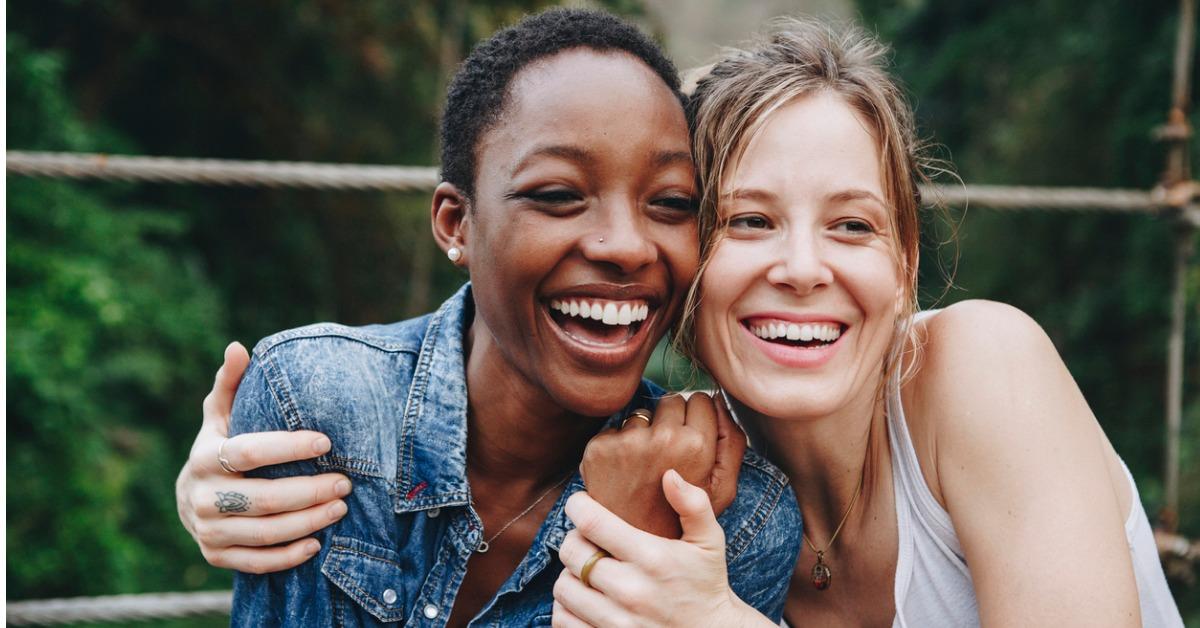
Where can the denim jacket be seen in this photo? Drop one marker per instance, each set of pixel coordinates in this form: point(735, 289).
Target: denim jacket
point(393, 400)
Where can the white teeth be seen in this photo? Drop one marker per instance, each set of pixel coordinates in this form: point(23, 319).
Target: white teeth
point(625, 315)
point(608, 312)
point(823, 332)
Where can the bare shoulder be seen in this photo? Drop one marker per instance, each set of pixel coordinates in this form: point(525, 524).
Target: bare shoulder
point(978, 348)
point(987, 372)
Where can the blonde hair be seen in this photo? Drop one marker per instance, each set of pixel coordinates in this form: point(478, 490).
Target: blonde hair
point(796, 58)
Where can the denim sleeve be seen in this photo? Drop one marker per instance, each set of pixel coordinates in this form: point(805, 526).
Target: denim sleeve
point(285, 598)
point(760, 574)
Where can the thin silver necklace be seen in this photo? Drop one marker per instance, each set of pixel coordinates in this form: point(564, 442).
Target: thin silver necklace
point(484, 546)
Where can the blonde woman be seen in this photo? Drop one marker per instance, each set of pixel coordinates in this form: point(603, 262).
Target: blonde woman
point(948, 470)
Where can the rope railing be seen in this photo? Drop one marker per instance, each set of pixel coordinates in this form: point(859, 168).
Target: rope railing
point(140, 607)
point(417, 179)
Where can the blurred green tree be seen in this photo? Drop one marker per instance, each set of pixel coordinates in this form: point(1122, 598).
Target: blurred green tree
point(110, 326)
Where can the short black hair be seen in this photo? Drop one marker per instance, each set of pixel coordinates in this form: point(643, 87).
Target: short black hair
point(477, 93)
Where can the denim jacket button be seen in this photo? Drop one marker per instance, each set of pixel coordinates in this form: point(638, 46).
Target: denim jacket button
point(389, 597)
point(431, 611)
point(433, 512)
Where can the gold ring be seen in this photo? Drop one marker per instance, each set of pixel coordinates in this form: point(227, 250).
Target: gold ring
point(640, 413)
point(225, 464)
point(586, 573)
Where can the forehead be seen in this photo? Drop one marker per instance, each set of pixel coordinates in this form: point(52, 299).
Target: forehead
point(590, 97)
point(816, 142)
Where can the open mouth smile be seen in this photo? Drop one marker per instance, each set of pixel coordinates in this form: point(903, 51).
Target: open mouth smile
point(795, 343)
point(600, 322)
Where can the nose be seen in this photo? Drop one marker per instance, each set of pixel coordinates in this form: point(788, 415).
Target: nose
point(620, 238)
point(800, 262)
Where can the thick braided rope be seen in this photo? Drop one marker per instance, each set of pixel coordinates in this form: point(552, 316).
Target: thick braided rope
point(222, 172)
point(412, 178)
point(118, 608)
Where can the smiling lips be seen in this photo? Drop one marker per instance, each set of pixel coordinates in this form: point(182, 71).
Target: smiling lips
point(607, 312)
point(792, 343)
point(603, 333)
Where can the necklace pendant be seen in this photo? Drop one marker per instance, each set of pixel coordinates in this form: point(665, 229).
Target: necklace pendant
point(821, 574)
point(483, 547)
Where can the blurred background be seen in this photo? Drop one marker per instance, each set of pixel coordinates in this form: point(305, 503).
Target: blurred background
point(121, 296)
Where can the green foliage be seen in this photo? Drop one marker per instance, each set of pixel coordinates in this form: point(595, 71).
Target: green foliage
point(109, 329)
point(1065, 92)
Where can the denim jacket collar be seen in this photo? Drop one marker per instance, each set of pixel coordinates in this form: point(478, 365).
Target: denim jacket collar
point(433, 435)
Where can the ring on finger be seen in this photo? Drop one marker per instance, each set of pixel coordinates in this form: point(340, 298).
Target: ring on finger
point(642, 414)
point(585, 574)
point(225, 464)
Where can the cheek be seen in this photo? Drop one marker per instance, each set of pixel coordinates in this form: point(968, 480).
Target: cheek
point(679, 247)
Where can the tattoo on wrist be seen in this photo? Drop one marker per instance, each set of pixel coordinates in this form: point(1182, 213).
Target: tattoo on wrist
point(232, 502)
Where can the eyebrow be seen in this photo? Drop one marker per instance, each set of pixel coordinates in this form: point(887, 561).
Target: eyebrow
point(855, 195)
point(842, 196)
point(753, 194)
point(580, 155)
point(562, 151)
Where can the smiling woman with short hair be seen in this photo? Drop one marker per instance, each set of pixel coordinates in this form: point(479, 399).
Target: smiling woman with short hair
point(569, 198)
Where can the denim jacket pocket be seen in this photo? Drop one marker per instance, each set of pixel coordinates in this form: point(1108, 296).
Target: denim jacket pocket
point(368, 574)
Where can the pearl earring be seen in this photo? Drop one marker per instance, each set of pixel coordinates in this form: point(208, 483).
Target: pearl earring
point(454, 253)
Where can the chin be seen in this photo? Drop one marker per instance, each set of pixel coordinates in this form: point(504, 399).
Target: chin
point(597, 396)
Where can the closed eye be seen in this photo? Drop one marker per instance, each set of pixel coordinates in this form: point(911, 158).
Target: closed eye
point(680, 203)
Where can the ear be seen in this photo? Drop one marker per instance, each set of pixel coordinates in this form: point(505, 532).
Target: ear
point(450, 219)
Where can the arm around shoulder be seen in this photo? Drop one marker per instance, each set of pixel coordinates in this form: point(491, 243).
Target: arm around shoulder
point(1021, 465)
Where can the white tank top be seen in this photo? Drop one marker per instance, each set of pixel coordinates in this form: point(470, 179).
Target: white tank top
point(933, 585)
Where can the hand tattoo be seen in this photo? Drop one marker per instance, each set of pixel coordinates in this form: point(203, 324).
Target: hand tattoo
point(232, 502)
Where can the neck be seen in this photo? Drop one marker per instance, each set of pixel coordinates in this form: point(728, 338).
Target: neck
point(516, 434)
point(826, 457)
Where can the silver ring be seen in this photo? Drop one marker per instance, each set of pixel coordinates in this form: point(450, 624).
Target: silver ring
point(225, 464)
point(640, 413)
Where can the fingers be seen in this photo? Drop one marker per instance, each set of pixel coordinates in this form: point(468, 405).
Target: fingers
point(731, 448)
point(268, 529)
point(253, 498)
point(700, 525)
point(639, 419)
point(264, 559)
point(575, 553)
point(670, 411)
point(701, 415)
point(564, 618)
point(219, 402)
point(607, 530)
point(260, 449)
point(587, 604)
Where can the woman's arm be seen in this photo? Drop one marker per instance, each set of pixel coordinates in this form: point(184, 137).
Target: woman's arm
point(1021, 465)
point(253, 525)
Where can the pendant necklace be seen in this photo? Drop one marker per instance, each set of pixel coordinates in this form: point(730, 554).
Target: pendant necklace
point(484, 546)
point(820, 571)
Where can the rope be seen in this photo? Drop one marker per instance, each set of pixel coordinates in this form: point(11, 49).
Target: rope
point(415, 179)
point(222, 172)
point(118, 608)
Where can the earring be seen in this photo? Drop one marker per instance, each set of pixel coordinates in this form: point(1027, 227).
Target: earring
point(454, 253)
